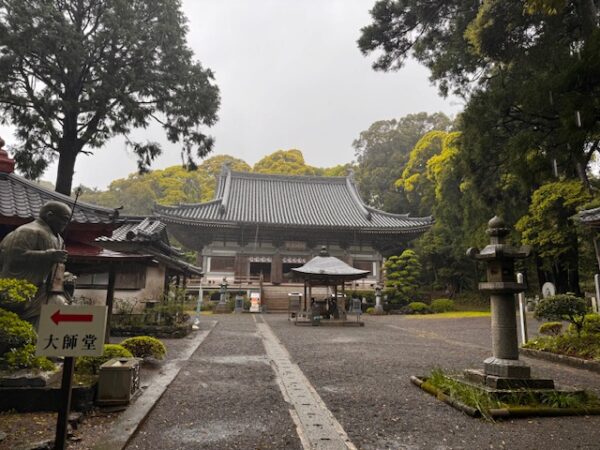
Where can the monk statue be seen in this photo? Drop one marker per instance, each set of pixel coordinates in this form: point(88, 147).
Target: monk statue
point(35, 252)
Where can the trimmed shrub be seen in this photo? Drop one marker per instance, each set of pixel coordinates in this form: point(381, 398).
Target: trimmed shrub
point(441, 305)
point(90, 365)
point(551, 328)
point(24, 358)
point(418, 308)
point(14, 294)
point(563, 307)
point(14, 331)
point(370, 310)
point(145, 347)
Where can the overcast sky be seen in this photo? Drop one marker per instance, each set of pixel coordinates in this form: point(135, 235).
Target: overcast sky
point(291, 76)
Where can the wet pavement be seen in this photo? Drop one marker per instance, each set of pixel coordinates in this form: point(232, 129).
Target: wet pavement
point(230, 393)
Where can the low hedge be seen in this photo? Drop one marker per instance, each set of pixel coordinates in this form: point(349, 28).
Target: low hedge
point(145, 347)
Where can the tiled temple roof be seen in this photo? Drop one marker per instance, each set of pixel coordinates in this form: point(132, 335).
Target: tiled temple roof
point(23, 199)
point(283, 200)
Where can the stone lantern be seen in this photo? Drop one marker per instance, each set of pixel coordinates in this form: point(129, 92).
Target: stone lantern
point(222, 305)
point(503, 369)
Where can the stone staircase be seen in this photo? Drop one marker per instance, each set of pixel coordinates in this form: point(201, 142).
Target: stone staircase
point(275, 297)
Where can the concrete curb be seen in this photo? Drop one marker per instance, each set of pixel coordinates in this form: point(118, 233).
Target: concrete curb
point(579, 363)
point(129, 422)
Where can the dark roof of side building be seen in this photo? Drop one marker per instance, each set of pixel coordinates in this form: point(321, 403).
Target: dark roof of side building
point(23, 199)
point(284, 200)
point(144, 235)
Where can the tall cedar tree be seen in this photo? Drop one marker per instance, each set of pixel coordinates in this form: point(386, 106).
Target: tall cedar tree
point(74, 73)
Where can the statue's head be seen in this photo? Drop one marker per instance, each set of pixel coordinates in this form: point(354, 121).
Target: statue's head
point(56, 215)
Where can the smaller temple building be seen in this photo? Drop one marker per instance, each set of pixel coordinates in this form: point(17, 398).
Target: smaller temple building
point(259, 227)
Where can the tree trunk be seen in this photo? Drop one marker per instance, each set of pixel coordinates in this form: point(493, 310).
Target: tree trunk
point(66, 169)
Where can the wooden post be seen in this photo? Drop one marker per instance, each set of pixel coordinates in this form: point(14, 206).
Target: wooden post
point(62, 422)
point(305, 293)
point(110, 297)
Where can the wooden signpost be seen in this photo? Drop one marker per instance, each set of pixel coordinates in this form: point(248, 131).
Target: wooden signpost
point(69, 331)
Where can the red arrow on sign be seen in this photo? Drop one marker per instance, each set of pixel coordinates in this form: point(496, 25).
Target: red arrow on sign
point(57, 317)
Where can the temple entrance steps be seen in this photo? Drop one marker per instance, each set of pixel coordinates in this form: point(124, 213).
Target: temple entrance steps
point(275, 297)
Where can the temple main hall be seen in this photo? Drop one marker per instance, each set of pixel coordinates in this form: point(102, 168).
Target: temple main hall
point(259, 227)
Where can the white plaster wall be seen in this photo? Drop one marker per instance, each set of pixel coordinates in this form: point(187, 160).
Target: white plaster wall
point(155, 278)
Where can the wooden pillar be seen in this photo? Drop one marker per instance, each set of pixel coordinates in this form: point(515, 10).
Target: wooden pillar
point(241, 266)
point(276, 268)
point(110, 297)
point(305, 294)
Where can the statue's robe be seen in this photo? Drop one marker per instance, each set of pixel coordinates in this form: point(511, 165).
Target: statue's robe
point(23, 255)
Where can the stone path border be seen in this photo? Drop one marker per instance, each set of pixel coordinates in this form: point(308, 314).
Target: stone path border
point(129, 421)
point(316, 425)
point(579, 363)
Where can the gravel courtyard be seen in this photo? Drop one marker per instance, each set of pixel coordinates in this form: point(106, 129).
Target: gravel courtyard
point(229, 394)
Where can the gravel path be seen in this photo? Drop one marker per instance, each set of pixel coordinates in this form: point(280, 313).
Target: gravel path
point(362, 374)
point(225, 397)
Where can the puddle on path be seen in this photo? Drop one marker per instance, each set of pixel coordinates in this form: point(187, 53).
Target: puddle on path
point(237, 359)
point(212, 431)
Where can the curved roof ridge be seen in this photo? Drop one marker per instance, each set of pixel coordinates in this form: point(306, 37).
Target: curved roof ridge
point(400, 216)
point(187, 205)
point(285, 177)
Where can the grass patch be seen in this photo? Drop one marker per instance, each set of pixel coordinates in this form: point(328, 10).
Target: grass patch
point(484, 401)
point(586, 346)
point(452, 315)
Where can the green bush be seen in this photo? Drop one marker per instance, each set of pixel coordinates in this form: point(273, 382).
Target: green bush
point(441, 305)
point(551, 328)
point(563, 307)
point(90, 365)
point(370, 310)
point(584, 346)
point(14, 294)
point(591, 325)
point(418, 308)
point(14, 332)
point(24, 358)
point(145, 346)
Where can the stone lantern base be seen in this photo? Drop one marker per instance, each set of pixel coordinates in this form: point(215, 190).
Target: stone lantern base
point(483, 378)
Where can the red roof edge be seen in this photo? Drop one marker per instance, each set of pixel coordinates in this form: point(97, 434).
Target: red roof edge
point(7, 164)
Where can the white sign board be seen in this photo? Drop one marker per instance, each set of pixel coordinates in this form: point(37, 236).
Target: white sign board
point(255, 302)
point(71, 330)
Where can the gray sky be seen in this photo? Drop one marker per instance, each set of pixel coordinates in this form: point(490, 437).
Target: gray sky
point(291, 76)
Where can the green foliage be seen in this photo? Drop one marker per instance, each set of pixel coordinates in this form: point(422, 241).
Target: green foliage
point(370, 310)
point(530, 74)
point(382, 152)
point(563, 307)
point(24, 358)
point(551, 328)
point(585, 346)
point(417, 308)
point(402, 276)
point(547, 226)
point(14, 293)
point(90, 365)
point(106, 68)
point(591, 324)
point(144, 347)
point(441, 305)
point(15, 332)
point(288, 162)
